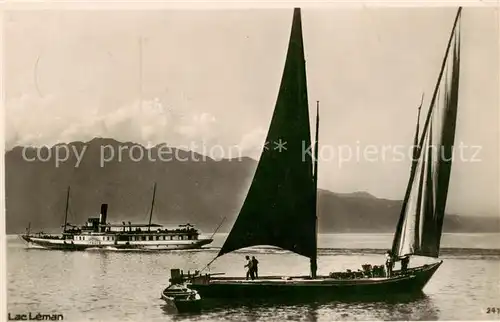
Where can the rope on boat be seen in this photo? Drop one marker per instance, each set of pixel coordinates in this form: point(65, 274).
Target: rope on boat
point(211, 237)
point(204, 268)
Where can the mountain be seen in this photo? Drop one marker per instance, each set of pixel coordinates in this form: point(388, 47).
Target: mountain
point(190, 188)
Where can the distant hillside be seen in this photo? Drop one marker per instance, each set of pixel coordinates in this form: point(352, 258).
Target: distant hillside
point(199, 192)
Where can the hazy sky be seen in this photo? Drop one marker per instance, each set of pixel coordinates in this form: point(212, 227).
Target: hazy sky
point(73, 75)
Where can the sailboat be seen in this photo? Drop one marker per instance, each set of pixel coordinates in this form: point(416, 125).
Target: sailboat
point(281, 205)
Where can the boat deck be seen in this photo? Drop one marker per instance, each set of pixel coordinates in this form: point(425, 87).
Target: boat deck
point(210, 286)
point(306, 280)
point(269, 280)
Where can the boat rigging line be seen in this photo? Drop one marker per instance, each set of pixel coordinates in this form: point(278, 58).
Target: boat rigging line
point(211, 237)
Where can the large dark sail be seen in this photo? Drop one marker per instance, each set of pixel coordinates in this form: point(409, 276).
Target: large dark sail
point(420, 225)
point(279, 209)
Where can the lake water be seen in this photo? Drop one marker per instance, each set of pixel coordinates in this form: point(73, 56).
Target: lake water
point(126, 286)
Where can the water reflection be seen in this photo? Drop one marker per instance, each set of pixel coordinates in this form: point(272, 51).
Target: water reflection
point(104, 263)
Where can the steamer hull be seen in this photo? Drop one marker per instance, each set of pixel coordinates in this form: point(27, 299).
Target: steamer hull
point(98, 244)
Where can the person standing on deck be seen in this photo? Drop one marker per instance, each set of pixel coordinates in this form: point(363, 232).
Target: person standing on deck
point(388, 263)
point(249, 266)
point(404, 263)
point(255, 267)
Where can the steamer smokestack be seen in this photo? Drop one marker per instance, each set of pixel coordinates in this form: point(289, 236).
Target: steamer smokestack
point(104, 216)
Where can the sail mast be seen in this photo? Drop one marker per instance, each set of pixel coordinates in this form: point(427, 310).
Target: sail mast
point(415, 154)
point(66, 211)
point(415, 141)
point(314, 261)
point(152, 206)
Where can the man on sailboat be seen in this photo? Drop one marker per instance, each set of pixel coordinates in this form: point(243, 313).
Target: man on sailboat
point(405, 261)
point(249, 266)
point(255, 267)
point(389, 263)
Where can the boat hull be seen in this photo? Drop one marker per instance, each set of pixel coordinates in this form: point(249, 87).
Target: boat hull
point(60, 244)
point(323, 287)
point(185, 301)
point(187, 306)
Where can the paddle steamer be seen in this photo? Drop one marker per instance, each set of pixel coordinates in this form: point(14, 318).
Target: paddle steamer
point(97, 233)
